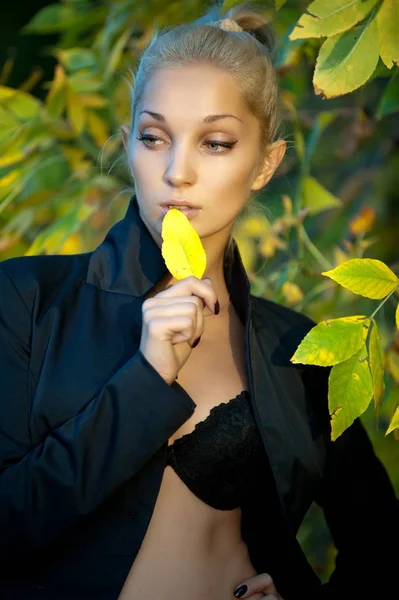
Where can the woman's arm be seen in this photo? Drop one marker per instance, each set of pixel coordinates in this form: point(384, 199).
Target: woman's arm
point(46, 487)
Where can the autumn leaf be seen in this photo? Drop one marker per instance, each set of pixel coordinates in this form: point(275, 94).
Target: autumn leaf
point(182, 249)
point(367, 277)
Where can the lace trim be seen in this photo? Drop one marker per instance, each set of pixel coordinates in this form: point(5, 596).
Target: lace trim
point(215, 409)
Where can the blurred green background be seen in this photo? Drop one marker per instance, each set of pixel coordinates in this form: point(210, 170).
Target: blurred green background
point(64, 93)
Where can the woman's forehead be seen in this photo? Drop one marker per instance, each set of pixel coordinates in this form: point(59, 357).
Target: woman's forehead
point(198, 92)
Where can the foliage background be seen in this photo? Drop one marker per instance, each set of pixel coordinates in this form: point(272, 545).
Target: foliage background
point(63, 181)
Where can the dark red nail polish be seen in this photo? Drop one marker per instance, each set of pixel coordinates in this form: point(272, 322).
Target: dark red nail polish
point(196, 342)
point(217, 307)
point(240, 591)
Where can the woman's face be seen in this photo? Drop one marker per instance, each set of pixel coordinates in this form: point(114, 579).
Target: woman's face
point(211, 164)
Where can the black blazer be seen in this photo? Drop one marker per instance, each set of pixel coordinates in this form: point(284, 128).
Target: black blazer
point(85, 419)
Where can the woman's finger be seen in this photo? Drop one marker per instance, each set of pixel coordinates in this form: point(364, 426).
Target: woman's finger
point(191, 308)
point(202, 288)
point(258, 583)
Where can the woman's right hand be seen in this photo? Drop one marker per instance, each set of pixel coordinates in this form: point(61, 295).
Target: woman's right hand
point(174, 317)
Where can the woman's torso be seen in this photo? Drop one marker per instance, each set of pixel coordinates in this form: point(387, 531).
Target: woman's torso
point(192, 550)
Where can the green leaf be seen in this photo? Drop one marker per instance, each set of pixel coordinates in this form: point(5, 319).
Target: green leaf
point(367, 277)
point(75, 59)
point(347, 60)
point(387, 20)
point(51, 239)
point(316, 197)
point(50, 19)
point(350, 389)
point(19, 105)
point(116, 53)
point(332, 341)
point(394, 424)
point(84, 81)
point(329, 17)
point(279, 4)
point(376, 362)
point(389, 102)
point(49, 171)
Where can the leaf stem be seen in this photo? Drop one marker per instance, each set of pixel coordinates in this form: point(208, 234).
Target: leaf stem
point(382, 303)
point(315, 252)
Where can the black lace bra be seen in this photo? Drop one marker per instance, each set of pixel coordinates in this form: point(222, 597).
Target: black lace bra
point(220, 459)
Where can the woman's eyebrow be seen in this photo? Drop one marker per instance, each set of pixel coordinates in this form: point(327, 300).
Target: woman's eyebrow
point(208, 119)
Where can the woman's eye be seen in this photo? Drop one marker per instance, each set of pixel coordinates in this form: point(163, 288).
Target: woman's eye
point(151, 138)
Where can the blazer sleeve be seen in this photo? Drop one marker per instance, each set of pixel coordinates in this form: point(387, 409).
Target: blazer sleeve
point(362, 513)
point(44, 488)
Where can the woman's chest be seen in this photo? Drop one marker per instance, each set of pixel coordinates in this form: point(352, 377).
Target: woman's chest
point(214, 373)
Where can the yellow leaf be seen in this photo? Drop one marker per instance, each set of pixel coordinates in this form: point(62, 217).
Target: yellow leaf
point(93, 100)
point(392, 363)
point(363, 221)
point(332, 341)
point(291, 292)
point(74, 155)
point(98, 128)
point(9, 179)
point(350, 389)
point(367, 277)
point(376, 361)
point(247, 251)
point(397, 316)
point(182, 248)
point(72, 245)
point(55, 98)
point(11, 158)
point(316, 197)
point(347, 60)
point(324, 18)
point(76, 112)
point(287, 204)
point(394, 424)
point(387, 20)
point(19, 104)
point(269, 244)
point(254, 226)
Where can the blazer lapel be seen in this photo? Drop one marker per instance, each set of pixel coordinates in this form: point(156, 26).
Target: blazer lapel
point(285, 419)
point(130, 262)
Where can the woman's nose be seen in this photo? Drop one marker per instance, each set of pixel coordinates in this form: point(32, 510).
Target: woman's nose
point(180, 167)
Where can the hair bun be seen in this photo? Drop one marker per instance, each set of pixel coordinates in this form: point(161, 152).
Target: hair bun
point(250, 18)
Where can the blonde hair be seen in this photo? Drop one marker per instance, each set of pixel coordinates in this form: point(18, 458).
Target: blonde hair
point(246, 51)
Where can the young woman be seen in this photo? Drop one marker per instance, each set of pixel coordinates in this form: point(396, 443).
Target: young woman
point(156, 441)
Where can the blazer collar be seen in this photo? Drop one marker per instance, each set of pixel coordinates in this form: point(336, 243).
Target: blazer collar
point(129, 261)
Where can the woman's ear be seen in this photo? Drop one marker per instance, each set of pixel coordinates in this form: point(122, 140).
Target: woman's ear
point(272, 160)
point(125, 133)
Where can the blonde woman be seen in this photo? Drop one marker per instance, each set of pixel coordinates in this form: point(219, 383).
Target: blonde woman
point(156, 442)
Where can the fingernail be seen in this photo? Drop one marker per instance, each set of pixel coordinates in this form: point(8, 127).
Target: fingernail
point(196, 342)
point(240, 591)
point(217, 308)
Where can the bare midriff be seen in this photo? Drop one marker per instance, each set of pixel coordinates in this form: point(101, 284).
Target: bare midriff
point(192, 551)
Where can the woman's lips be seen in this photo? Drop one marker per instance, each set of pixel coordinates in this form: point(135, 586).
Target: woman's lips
point(189, 212)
